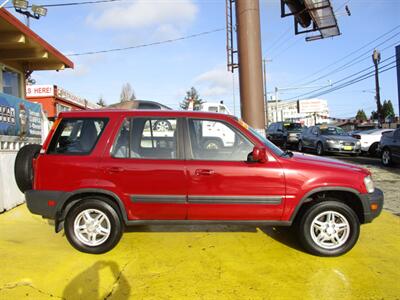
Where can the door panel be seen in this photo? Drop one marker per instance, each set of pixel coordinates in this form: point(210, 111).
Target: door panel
point(146, 167)
point(222, 185)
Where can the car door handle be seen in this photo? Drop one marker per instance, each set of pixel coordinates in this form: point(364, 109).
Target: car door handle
point(204, 172)
point(115, 169)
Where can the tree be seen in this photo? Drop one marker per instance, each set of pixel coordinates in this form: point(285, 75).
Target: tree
point(127, 93)
point(191, 95)
point(387, 109)
point(374, 115)
point(361, 116)
point(101, 102)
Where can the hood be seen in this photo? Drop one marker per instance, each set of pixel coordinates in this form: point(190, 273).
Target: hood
point(344, 138)
point(327, 162)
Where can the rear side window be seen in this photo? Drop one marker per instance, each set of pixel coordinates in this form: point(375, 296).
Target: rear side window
point(77, 136)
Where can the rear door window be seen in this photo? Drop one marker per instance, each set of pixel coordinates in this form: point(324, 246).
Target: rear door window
point(76, 136)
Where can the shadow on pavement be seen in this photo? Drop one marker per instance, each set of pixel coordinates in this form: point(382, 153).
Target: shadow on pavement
point(284, 235)
point(86, 285)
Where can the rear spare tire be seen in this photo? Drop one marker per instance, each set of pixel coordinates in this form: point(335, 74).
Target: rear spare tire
point(23, 170)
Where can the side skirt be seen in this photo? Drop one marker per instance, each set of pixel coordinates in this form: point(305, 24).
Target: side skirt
point(209, 222)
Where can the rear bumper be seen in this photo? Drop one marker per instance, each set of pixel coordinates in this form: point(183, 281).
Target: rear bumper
point(45, 203)
point(367, 200)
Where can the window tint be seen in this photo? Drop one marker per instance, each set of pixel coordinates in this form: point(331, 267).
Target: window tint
point(215, 140)
point(146, 138)
point(148, 106)
point(76, 136)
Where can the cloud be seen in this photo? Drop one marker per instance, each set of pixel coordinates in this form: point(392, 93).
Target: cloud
point(215, 82)
point(159, 15)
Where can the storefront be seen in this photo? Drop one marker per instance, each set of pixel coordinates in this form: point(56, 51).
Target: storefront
point(21, 122)
point(55, 99)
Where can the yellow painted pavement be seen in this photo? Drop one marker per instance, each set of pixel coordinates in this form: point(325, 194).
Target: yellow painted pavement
point(194, 262)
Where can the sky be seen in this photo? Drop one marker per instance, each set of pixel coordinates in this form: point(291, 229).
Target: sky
point(165, 72)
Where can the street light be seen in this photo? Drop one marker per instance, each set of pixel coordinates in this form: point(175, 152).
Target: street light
point(21, 6)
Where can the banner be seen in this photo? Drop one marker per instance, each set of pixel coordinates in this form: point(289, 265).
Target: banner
point(20, 117)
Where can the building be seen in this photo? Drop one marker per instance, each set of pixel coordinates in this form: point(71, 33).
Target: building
point(307, 111)
point(55, 99)
point(22, 52)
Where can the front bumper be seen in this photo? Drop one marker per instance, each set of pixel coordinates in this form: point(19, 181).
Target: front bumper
point(376, 198)
point(45, 203)
point(337, 148)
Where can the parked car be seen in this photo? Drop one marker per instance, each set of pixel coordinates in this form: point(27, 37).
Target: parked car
point(328, 139)
point(389, 148)
point(101, 170)
point(369, 139)
point(285, 134)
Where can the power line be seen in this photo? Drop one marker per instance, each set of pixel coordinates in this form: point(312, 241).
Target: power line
point(346, 56)
point(355, 80)
point(149, 44)
point(75, 3)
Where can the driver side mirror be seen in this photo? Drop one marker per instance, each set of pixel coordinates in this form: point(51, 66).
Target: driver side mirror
point(259, 154)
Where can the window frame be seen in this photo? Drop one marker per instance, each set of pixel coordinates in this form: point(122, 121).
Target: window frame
point(58, 133)
point(180, 148)
point(188, 141)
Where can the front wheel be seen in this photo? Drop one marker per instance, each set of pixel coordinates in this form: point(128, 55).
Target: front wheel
point(320, 149)
point(386, 157)
point(93, 226)
point(329, 228)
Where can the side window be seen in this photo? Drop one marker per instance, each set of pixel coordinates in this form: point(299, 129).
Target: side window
point(397, 133)
point(271, 128)
point(279, 127)
point(76, 136)
point(215, 140)
point(147, 138)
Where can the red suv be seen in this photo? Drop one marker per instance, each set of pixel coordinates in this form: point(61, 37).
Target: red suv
point(99, 171)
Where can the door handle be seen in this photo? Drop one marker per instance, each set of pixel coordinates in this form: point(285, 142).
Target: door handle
point(115, 169)
point(204, 172)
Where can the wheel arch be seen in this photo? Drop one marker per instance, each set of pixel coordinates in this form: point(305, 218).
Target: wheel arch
point(73, 198)
point(348, 196)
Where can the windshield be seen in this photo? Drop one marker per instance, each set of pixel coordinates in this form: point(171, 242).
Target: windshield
point(293, 126)
point(333, 131)
point(266, 142)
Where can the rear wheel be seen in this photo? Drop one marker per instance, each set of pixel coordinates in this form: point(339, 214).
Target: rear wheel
point(23, 168)
point(93, 226)
point(329, 228)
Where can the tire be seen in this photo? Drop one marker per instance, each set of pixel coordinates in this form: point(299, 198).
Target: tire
point(106, 234)
point(300, 146)
point(386, 157)
point(23, 169)
point(320, 149)
point(317, 216)
point(372, 151)
point(212, 144)
point(162, 126)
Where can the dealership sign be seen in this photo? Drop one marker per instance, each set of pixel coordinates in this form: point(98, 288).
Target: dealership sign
point(312, 105)
point(19, 117)
point(39, 91)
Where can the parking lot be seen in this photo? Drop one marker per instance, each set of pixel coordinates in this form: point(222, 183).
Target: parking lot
point(208, 262)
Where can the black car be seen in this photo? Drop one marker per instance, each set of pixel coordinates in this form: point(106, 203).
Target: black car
point(389, 147)
point(284, 134)
point(326, 138)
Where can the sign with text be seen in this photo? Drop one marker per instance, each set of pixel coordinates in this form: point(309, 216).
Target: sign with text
point(19, 117)
point(39, 91)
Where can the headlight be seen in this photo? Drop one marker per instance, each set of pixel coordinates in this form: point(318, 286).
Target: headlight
point(331, 141)
point(358, 143)
point(369, 184)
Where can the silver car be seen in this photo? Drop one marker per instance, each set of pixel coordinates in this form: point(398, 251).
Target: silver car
point(328, 139)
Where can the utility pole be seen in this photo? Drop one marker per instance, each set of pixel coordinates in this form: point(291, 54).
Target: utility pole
point(398, 73)
point(376, 57)
point(265, 90)
point(250, 62)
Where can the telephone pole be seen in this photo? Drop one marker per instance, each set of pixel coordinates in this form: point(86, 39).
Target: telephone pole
point(376, 58)
point(250, 62)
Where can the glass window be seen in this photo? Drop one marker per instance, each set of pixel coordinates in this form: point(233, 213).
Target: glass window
point(215, 140)
point(76, 136)
point(11, 83)
point(146, 138)
point(332, 131)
